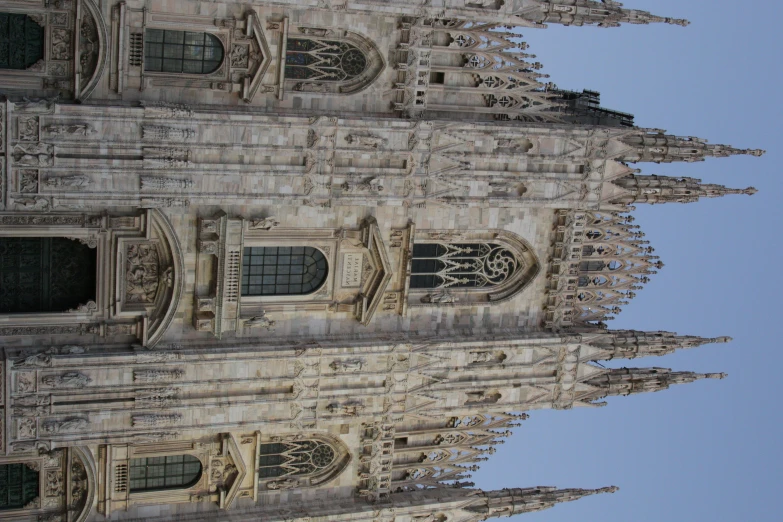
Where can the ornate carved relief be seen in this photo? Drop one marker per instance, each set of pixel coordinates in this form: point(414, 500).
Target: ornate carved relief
point(66, 380)
point(159, 132)
point(27, 128)
point(72, 129)
point(67, 425)
point(73, 181)
point(38, 155)
point(142, 273)
point(28, 180)
point(157, 375)
point(166, 110)
point(153, 419)
point(161, 183)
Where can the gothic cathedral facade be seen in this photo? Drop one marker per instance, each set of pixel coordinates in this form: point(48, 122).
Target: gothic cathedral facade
point(308, 260)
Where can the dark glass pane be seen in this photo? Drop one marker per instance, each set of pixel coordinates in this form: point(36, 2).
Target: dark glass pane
point(182, 52)
point(284, 270)
point(45, 274)
point(18, 486)
point(171, 472)
point(21, 41)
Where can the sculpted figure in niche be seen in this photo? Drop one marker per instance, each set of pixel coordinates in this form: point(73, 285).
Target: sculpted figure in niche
point(80, 129)
point(66, 380)
point(260, 321)
point(288, 483)
point(366, 140)
point(35, 106)
point(488, 357)
point(440, 298)
point(482, 397)
point(347, 366)
point(74, 181)
point(267, 223)
point(38, 155)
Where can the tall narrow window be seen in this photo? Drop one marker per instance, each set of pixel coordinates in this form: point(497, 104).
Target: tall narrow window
point(45, 274)
point(323, 60)
point(461, 265)
point(18, 486)
point(170, 472)
point(181, 52)
point(299, 458)
point(282, 270)
point(21, 41)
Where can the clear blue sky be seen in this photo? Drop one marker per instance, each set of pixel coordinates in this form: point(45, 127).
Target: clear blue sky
point(711, 450)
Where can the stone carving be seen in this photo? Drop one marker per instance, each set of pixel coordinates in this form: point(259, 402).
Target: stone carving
point(161, 183)
point(58, 69)
point(37, 155)
point(164, 202)
point(347, 366)
point(41, 220)
point(90, 306)
point(371, 185)
point(487, 357)
point(260, 321)
point(157, 436)
point(67, 425)
point(267, 223)
point(25, 382)
point(482, 397)
point(28, 181)
point(74, 129)
point(27, 128)
point(288, 483)
point(365, 141)
point(151, 420)
point(166, 158)
point(33, 203)
point(440, 298)
point(350, 409)
point(316, 31)
point(26, 429)
point(159, 132)
point(239, 56)
point(39, 106)
point(61, 44)
point(157, 375)
point(155, 357)
point(72, 181)
point(166, 110)
point(53, 485)
point(38, 360)
point(142, 273)
point(66, 380)
point(315, 87)
point(157, 398)
point(31, 411)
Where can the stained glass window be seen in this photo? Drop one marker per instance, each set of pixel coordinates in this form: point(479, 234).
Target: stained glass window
point(45, 274)
point(294, 458)
point(170, 472)
point(323, 60)
point(181, 52)
point(461, 265)
point(282, 270)
point(18, 486)
point(21, 41)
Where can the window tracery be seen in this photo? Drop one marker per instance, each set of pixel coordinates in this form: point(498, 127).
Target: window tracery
point(323, 60)
point(270, 271)
point(460, 265)
point(309, 460)
point(21, 41)
point(19, 485)
point(160, 473)
point(181, 52)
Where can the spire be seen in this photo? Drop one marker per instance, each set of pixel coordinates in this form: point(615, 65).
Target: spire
point(627, 381)
point(514, 501)
point(654, 145)
point(669, 189)
point(606, 13)
point(629, 344)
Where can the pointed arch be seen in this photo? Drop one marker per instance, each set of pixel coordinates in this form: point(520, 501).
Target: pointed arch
point(301, 461)
point(330, 61)
point(466, 268)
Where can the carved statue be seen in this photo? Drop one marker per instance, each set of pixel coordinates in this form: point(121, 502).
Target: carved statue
point(41, 105)
point(70, 424)
point(73, 181)
point(39, 360)
point(347, 366)
point(311, 87)
point(440, 298)
point(37, 155)
point(366, 141)
point(266, 223)
point(78, 129)
point(351, 409)
point(260, 321)
point(66, 380)
point(314, 31)
point(288, 483)
point(370, 184)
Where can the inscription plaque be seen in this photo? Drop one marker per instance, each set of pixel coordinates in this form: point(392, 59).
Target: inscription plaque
point(352, 270)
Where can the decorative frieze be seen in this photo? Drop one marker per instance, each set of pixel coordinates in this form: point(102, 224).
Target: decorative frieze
point(154, 419)
point(157, 375)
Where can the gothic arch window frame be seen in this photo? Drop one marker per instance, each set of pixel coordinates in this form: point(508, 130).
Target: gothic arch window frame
point(208, 40)
point(469, 296)
point(375, 62)
point(246, 279)
point(110, 236)
point(340, 462)
point(208, 31)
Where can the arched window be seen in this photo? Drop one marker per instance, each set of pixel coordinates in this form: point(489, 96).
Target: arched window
point(45, 274)
point(323, 60)
point(170, 472)
point(282, 270)
point(181, 52)
point(21, 41)
point(312, 459)
point(461, 265)
point(18, 486)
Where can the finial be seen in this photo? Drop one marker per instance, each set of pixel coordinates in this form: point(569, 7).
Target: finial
point(610, 489)
point(722, 339)
point(754, 152)
point(715, 375)
point(750, 191)
point(677, 21)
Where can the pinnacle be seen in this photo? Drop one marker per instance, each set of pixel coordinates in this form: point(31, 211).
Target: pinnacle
point(750, 191)
point(715, 375)
point(677, 21)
